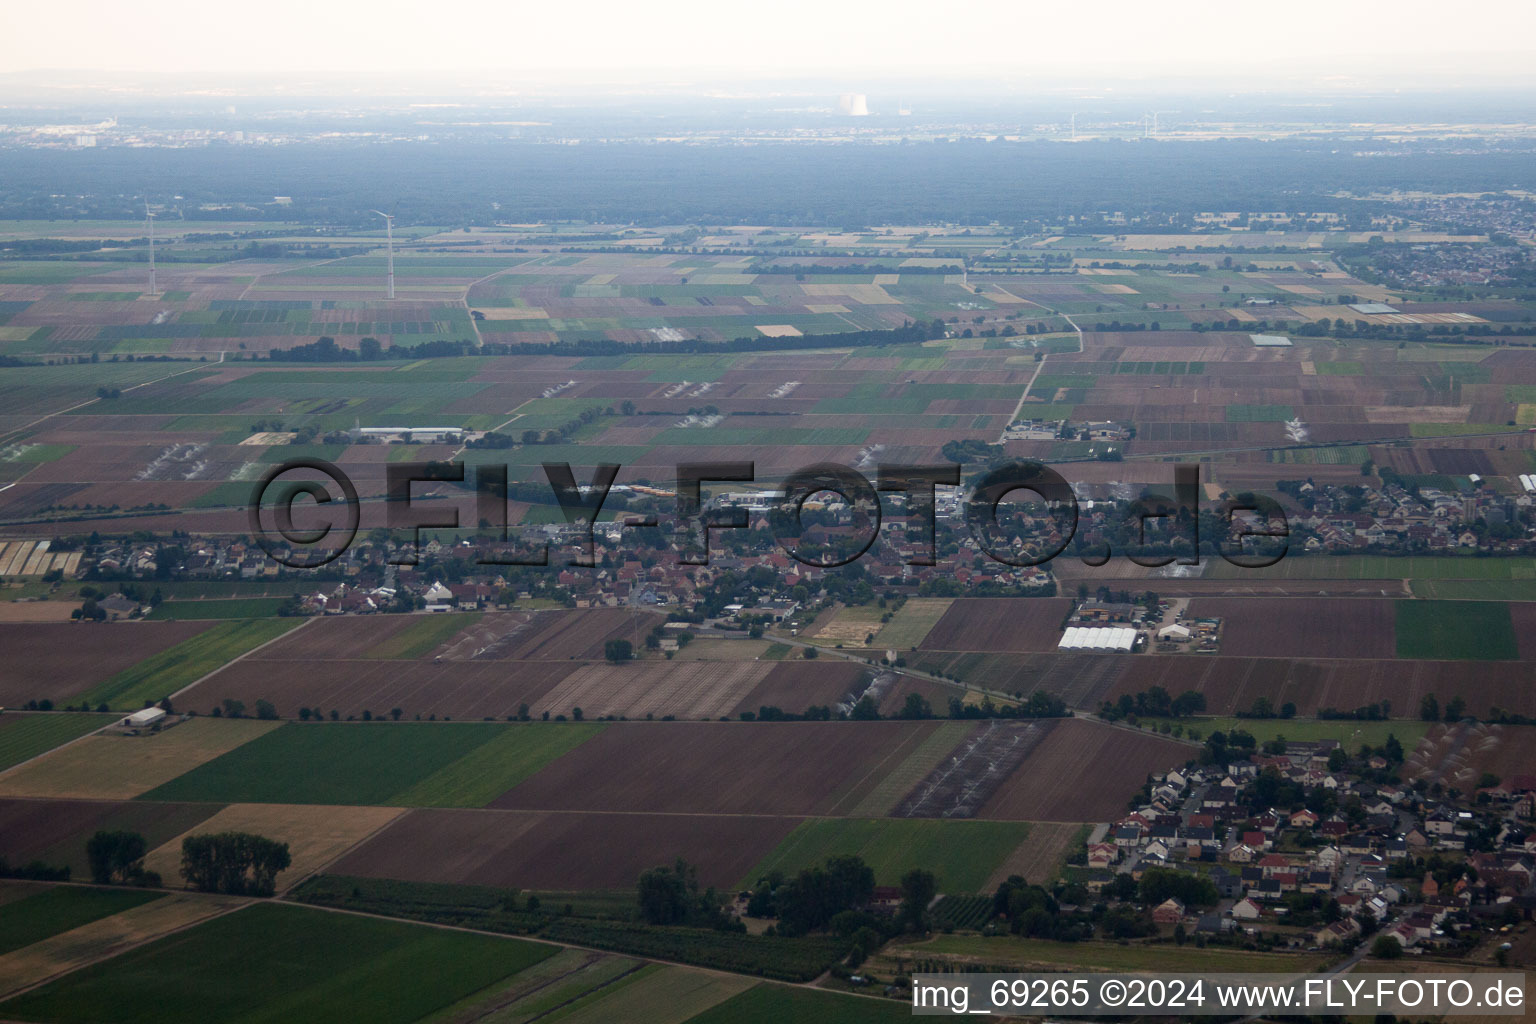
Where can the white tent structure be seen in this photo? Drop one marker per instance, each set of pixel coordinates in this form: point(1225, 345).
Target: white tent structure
point(1097, 638)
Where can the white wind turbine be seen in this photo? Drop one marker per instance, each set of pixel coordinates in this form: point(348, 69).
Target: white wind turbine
point(389, 233)
point(151, 218)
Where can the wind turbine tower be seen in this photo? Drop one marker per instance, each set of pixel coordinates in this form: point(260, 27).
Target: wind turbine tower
point(389, 234)
point(151, 218)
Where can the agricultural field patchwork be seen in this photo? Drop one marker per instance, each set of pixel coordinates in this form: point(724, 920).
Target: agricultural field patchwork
point(300, 964)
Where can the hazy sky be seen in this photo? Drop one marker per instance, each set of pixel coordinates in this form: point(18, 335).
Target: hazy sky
point(721, 39)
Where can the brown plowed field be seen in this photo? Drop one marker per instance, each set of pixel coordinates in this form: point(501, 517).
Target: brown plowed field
point(579, 634)
point(741, 768)
point(1458, 755)
point(1232, 684)
point(999, 624)
point(55, 831)
point(58, 660)
point(1337, 627)
point(337, 638)
point(682, 689)
point(793, 686)
point(1523, 615)
point(536, 850)
point(461, 690)
point(1083, 771)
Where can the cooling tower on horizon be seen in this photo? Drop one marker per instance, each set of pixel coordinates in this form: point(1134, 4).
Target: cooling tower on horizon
point(853, 104)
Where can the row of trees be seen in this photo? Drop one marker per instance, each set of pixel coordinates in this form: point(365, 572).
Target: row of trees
point(236, 863)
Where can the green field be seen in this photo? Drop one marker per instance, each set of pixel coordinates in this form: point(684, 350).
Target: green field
point(1350, 734)
point(331, 763)
point(422, 636)
point(1382, 567)
point(1476, 590)
point(963, 854)
point(163, 674)
point(23, 737)
point(235, 608)
point(51, 911)
point(497, 765)
point(1463, 630)
point(274, 963)
point(777, 1004)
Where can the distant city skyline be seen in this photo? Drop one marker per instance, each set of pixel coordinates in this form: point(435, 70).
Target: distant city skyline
point(1306, 43)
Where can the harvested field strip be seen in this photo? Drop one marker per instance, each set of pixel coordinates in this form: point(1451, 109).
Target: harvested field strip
point(964, 782)
point(23, 737)
point(720, 768)
point(568, 976)
point(119, 767)
point(103, 938)
point(912, 622)
point(773, 1004)
point(900, 780)
point(423, 636)
point(848, 627)
point(859, 787)
point(163, 674)
point(316, 834)
point(561, 851)
point(1081, 770)
point(332, 763)
point(1104, 956)
point(271, 962)
point(694, 689)
point(657, 995)
point(963, 854)
point(494, 767)
point(1469, 630)
point(1038, 859)
point(51, 911)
